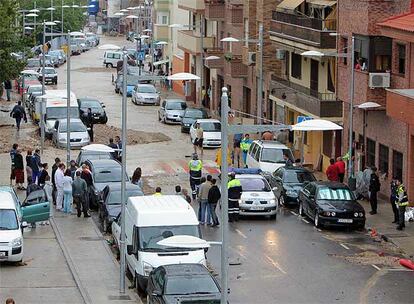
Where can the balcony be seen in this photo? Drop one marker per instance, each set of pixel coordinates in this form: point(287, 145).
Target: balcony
point(302, 29)
point(235, 67)
point(322, 105)
point(190, 42)
point(161, 32)
point(195, 6)
point(214, 63)
point(234, 14)
point(215, 10)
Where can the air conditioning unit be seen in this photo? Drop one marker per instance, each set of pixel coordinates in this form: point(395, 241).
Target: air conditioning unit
point(251, 58)
point(379, 80)
point(280, 54)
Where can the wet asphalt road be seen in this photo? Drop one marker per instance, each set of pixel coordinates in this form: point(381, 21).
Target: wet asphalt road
point(282, 261)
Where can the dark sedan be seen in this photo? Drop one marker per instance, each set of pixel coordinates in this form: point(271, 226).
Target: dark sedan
point(182, 283)
point(331, 204)
point(110, 207)
point(288, 181)
point(97, 108)
point(190, 116)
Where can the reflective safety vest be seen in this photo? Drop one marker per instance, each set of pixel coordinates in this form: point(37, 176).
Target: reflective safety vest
point(233, 183)
point(195, 165)
point(402, 198)
point(157, 194)
point(245, 144)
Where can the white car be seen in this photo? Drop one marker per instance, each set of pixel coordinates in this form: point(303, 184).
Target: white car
point(267, 155)
point(211, 132)
point(79, 136)
point(172, 110)
point(145, 94)
point(257, 197)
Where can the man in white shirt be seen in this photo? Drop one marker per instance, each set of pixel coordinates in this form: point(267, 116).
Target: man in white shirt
point(59, 186)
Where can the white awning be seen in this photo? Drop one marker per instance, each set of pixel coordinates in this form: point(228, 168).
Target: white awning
point(321, 3)
point(289, 4)
point(316, 125)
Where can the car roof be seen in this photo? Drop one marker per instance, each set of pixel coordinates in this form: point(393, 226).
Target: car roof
point(185, 269)
point(196, 109)
point(201, 120)
point(270, 144)
point(99, 163)
point(117, 186)
point(296, 168)
point(6, 200)
point(174, 100)
point(63, 120)
point(145, 85)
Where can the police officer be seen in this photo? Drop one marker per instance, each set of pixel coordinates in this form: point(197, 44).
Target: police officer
point(402, 202)
point(234, 190)
point(245, 146)
point(195, 167)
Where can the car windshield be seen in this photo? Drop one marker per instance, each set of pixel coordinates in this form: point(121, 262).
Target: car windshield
point(75, 126)
point(30, 77)
point(34, 89)
point(190, 284)
point(92, 155)
point(254, 184)
point(340, 194)
point(90, 104)
point(298, 177)
point(115, 196)
point(33, 63)
point(194, 114)
point(60, 112)
point(211, 126)
point(180, 105)
point(48, 71)
point(8, 219)
point(108, 175)
point(271, 155)
point(146, 89)
point(150, 236)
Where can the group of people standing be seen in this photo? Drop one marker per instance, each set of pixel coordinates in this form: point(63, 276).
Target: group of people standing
point(336, 170)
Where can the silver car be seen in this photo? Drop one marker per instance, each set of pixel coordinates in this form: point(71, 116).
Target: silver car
point(145, 94)
point(79, 136)
point(172, 110)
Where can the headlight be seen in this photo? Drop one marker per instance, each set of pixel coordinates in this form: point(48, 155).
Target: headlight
point(18, 242)
point(147, 268)
point(333, 213)
point(86, 139)
point(361, 214)
point(356, 214)
point(272, 201)
point(327, 213)
point(62, 139)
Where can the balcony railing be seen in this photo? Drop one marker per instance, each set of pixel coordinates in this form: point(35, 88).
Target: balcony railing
point(215, 10)
point(191, 42)
point(234, 14)
point(316, 103)
point(313, 23)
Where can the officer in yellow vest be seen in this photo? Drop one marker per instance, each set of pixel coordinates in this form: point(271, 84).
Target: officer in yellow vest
point(234, 190)
point(402, 203)
point(158, 191)
point(195, 167)
point(245, 146)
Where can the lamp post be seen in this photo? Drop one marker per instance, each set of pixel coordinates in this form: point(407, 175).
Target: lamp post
point(260, 84)
point(68, 103)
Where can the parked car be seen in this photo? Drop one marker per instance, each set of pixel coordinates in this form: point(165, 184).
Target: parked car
point(58, 57)
point(79, 136)
point(75, 48)
point(211, 132)
point(92, 155)
point(172, 110)
point(182, 283)
point(257, 197)
point(267, 155)
point(110, 207)
point(93, 37)
point(33, 64)
point(31, 89)
point(288, 181)
point(111, 58)
point(190, 116)
point(49, 61)
point(145, 94)
point(97, 108)
point(50, 75)
point(331, 204)
point(104, 172)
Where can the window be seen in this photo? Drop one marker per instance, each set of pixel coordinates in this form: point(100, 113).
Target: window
point(397, 164)
point(382, 51)
point(383, 159)
point(370, 152)
point(296, 66)
point(361, 50)
point(246, 32)
point(162, 18)
point(401, 58)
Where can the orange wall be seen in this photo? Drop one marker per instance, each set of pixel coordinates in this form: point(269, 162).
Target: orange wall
point(178, 67)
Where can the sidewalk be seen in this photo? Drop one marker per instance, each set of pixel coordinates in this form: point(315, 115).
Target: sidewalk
point(91, 261)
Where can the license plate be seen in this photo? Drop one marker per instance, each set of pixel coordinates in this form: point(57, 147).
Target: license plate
point(345, 220)
point(257, 208)
point(2, 254)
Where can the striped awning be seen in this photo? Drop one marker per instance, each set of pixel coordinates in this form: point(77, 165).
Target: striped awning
point(289, 4)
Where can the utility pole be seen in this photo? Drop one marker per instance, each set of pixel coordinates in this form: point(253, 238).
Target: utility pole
point(202, 33)
point(42, 105)
point(260, 81)
point(68, 104)
point(351, 117)
point(61, 22)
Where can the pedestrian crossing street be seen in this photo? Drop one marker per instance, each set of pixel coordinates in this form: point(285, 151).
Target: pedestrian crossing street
point(173, 167)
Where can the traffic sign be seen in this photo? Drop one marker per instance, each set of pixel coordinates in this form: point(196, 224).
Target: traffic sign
point(303, 118)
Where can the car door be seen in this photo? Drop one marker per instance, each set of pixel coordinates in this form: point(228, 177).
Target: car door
point(55, 137)
point(36, 210)
point(249, 158)
point(162, 109)
point(156, 286)
point(313, 206)
point(304, 198)
point(277, 182)
point(256, 157)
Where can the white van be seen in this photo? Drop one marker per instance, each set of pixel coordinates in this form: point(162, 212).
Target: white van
point(111, 58)
point(267, 155)
point(11, 238)
point(150, 219)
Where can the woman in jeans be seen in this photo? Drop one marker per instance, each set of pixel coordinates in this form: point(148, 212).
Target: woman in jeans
point(67, 191)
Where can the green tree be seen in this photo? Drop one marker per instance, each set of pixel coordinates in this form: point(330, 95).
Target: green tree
point(11, 40)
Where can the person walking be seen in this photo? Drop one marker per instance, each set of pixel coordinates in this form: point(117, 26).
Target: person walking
point(374, 188)
point(18, 113)
point(67, 191)
point(402, 202)
point(43, 174)
point(36, 164)
point(198, 141)
point(237, 139)
point(195, 167)
point(234, 190)
point(119, 148)
point(79, 190)
point(332, 171)
point(88, 120)
point(8, 88)
point(204, 216)
point(28, 163)
point(214, 196)
point(393, 199)
point(136, 178)
point(19, 169)
point(54, 168)
point(86, 175)
point(59, 174)
point(12, 153)
point(340, 165)
point(245, 146)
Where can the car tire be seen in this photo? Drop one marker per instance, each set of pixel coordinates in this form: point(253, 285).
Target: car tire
point(316, 220)
point(301, 211)
point(163, 120)
point(138, 287)
point(105, 120)
point(107, 65)
point(159, 117)
point(282, 200)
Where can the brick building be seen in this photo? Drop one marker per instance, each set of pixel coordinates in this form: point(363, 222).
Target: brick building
point(380, 139)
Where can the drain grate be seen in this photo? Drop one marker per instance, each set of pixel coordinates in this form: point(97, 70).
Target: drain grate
point(119, 298)
point(91, 238)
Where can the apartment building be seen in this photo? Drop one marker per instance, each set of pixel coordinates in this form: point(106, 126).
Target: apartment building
point(381, 136)
point(303, 34)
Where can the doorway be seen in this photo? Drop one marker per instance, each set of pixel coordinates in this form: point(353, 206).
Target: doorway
point(314, 78)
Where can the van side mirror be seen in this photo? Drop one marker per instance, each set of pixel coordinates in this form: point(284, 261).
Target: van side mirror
point(23, 225)
point(130, 249)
